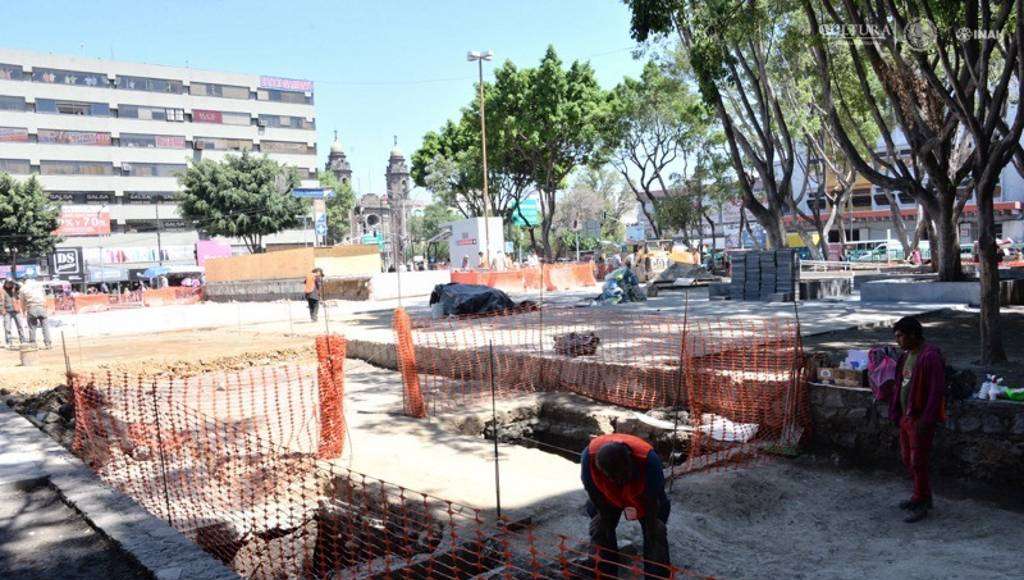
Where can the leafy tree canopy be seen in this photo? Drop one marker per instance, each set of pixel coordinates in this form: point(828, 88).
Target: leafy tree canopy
point(27, 220)
point(245, 197)
point(339, 206)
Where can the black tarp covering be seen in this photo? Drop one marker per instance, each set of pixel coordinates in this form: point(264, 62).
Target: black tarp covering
point(460, 299)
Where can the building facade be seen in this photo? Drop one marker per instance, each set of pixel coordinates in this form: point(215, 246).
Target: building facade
point(109, 138)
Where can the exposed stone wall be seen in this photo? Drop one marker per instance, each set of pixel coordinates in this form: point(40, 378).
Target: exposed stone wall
point(982, 440)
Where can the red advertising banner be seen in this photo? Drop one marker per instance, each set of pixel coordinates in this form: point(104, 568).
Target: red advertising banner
point(76, 223)
point(281, 84)
point(13, 135)
point(204, 116)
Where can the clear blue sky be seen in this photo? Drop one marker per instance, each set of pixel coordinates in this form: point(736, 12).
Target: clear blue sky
point(381, 67)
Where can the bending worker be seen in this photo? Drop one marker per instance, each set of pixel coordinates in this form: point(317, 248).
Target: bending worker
point(623, 475)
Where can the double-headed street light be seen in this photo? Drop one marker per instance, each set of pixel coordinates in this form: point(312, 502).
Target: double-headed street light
point(480, 57)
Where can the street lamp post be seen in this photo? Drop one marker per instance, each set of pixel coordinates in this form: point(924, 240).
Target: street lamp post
point(480, 57)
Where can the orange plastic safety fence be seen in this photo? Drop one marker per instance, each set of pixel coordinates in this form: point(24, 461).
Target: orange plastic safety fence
point(269, 511)
point(414, 404)
point(330, 351)
point(746, 390)
point(741, 381)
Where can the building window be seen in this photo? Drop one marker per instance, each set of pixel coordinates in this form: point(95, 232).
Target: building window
point(72, 108)
point(220, 117)
point(152, 141)
point(222, 144)
point(861, 198)
point(13, 135)
point(153, 169)
point(212, 90)
point(286, 122)
point(283, 96)
point(150, 85)
point(285, 147)
point(11, 72)
point(151, 113)
point(70, 77)
point(15, 166)
point(76, 168)
point(73, 137)
point(12, 103)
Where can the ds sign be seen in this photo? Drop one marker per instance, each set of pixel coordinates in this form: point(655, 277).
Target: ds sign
point(67, 264)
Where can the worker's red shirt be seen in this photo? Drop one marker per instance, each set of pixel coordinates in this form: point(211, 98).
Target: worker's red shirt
point(632, 493)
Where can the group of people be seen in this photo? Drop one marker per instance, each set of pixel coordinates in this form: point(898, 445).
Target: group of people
point(624, 476)
point(28, 301)
point(498, 262)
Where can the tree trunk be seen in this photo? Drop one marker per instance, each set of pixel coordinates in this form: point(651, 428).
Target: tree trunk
point(992, 350)
point(946, 246)
point(14, 264)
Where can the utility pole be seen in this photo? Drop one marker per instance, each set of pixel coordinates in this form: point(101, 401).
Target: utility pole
point(480, 57)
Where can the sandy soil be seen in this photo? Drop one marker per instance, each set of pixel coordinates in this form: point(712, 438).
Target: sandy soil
point(789, 519)
point(180, 353)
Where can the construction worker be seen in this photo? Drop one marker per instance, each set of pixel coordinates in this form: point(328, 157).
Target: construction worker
point(313, 289)
point(33, 300)
point(623, 475)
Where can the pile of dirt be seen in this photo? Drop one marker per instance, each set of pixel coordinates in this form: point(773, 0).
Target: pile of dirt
point(52, 411)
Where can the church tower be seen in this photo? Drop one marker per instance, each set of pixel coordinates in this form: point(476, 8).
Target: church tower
point(397, 179)
point(337, 163)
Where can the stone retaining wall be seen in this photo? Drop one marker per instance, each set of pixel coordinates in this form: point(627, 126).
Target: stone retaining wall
point(981, 441)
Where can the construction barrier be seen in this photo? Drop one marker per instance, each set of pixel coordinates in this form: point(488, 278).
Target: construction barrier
point(84, 303)
point(208, 455)
point(330, 352)
point(550, 277)
point(412, 397)
point(740, 384)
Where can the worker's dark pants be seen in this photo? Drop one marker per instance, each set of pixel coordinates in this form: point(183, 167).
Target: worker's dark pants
point(314, 308)
point(603, 521)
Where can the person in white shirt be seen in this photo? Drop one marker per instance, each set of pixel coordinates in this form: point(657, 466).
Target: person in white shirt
point(33, 300)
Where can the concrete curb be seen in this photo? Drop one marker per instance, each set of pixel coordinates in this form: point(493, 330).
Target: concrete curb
point(27, 453)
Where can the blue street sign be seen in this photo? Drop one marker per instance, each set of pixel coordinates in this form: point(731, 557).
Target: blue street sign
point(527, 214)
point(312, 192)
point(320, 227)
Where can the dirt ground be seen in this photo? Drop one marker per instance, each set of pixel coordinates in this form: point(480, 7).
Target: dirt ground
point(180, 353)
point(954, 331)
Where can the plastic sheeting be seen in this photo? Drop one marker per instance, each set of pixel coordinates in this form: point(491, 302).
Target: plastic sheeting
point(461, 299)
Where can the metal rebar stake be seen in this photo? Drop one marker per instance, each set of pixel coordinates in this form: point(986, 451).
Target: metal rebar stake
point(679, 388)
point(160, 448)
point(494, 420)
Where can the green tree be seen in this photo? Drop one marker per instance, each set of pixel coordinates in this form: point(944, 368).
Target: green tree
point(339, 206)
point(656, 121)
point(27, 220)
point(546, 122)
point(245, 197)
point(679, 212)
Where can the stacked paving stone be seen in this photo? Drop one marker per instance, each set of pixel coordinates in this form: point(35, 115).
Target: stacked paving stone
point(770, 276)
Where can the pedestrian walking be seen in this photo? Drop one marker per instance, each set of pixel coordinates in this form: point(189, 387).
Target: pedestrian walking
point(9, 310)
point(33, 300)
point(314, 289)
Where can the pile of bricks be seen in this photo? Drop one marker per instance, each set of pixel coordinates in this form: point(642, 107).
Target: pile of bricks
point(770, 276)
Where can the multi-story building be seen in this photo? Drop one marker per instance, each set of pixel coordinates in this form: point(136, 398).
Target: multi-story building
point(108, 140)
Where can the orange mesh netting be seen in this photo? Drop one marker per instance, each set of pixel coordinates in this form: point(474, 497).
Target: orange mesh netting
point(414, 406)
point(270, 509)
point(740, 385)
point(330, 352)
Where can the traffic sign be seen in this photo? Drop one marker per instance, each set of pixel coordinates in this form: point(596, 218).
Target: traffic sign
point(527, 214)
point(312, 192)
point(320, 227)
